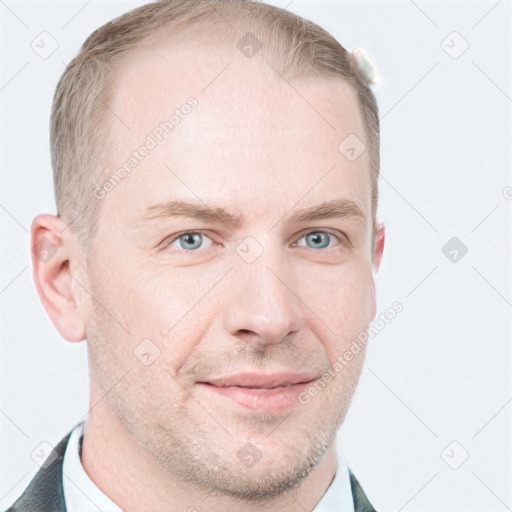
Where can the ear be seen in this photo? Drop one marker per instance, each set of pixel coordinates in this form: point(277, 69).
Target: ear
point(380, 237)
point(51, 241)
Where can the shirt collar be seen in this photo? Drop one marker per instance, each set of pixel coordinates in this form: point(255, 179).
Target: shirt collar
point(80, 492)
point(339, 494)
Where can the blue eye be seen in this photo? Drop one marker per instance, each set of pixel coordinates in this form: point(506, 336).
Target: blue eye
point(189, 241)
point(318, 239)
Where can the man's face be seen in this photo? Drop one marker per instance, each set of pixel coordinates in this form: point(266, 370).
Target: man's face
point(268, 295)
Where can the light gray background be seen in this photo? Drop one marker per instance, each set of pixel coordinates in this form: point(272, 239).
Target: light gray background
point(440, 371)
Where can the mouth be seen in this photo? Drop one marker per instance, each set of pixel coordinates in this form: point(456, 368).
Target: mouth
point(269, 392)
point(261, 381)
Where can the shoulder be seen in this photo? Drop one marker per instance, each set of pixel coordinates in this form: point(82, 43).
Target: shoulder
point(45, 491)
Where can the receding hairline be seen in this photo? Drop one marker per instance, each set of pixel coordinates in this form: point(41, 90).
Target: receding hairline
point(199, 40)
point(135, 56)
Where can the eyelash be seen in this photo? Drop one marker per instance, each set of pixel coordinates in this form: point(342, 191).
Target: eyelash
point(166, 243)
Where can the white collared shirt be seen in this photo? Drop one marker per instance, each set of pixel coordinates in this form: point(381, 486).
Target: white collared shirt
point(82, 495)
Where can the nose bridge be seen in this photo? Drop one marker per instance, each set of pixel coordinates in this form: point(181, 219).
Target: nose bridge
point(263, 305)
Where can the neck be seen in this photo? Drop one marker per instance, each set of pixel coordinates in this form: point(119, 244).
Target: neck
point(134, 481)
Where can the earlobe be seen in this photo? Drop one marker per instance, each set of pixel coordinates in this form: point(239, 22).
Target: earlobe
point(380, 237)
point(51, 256)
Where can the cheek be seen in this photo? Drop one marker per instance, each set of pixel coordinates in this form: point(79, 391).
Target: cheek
point(342, 298)
point(170, 308)
point(136, 366)
point(147, 303)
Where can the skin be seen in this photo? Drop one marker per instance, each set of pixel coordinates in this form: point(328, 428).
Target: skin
point(154, 438)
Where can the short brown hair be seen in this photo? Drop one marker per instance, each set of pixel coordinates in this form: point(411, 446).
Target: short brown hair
point(296, 47)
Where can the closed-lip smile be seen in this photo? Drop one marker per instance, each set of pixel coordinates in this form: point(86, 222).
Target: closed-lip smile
point(270, 392)
point(261, 380)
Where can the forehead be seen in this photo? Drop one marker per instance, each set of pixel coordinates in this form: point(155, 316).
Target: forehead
point(154, 80)
point(252, 127)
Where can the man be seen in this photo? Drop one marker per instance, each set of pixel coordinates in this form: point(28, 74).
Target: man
point(215, 169)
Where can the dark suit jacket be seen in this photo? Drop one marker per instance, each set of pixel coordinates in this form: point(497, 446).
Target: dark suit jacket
point(45, 493)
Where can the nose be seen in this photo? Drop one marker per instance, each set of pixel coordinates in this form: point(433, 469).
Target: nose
point(263, 308)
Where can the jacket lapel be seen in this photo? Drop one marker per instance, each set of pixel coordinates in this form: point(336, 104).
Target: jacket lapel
point(361, 503)
point(45, 491)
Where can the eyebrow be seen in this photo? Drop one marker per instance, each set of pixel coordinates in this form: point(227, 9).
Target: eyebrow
point(336, 208)
point(328, 210)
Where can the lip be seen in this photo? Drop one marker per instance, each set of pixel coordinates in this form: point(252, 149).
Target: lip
point(272, 393)
point(261, 380)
